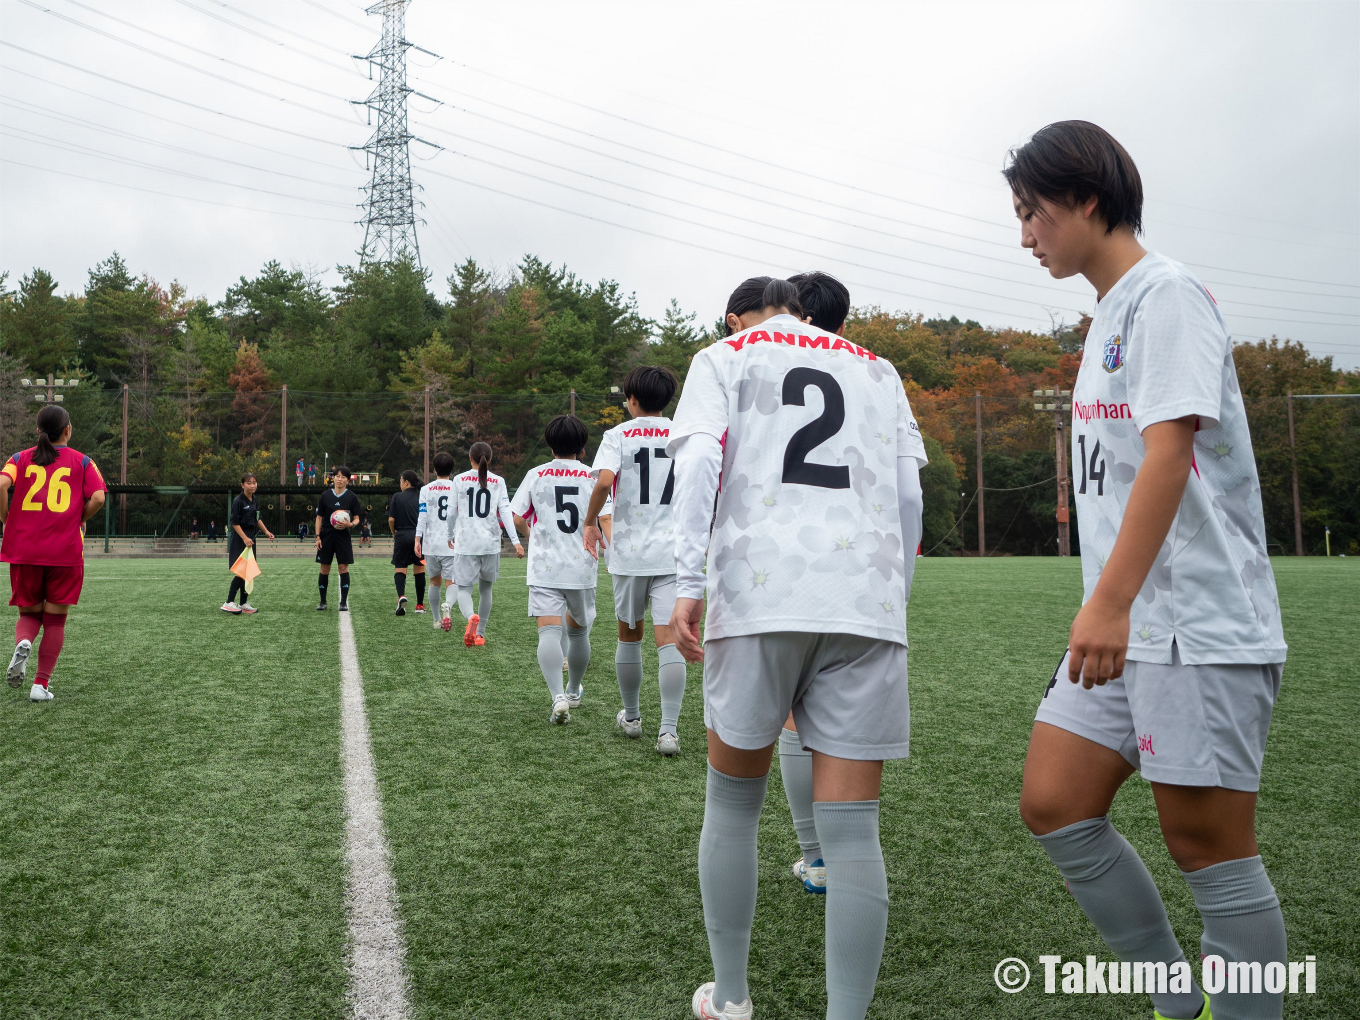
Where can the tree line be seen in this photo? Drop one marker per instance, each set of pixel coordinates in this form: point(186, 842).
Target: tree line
point(500, 352)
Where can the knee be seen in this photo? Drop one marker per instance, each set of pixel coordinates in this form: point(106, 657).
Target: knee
point(1041, 810)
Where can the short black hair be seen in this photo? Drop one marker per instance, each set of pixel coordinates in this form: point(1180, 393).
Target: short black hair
point(566, 436)
point(760, 292)
point(409, 475)
point(444, 464)
point(248, 474)
point(1071, 161)
point(340, 469)
point(824, 298)
point(652, 385)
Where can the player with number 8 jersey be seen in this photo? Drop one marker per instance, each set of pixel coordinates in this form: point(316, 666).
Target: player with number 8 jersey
point(550, 509)
point(47, 492)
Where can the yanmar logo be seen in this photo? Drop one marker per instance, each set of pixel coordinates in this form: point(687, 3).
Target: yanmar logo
point(635, 433)
point(1100, 409)
point(473, 477)
point(563, 473)
point(798, 340)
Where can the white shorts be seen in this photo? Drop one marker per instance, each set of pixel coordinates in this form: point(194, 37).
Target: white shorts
point(632, 593)
point(439, 566)
point(1176, 724)
point(468, 570)
point(848, 693)
point(579, 603)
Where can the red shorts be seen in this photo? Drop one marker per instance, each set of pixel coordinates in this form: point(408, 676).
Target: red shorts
point(32, 584)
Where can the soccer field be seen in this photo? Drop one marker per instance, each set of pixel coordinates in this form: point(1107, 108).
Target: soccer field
point(171, 826)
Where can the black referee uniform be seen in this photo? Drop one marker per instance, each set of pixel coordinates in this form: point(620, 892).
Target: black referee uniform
point(404, 509)
point(246, 513)
point(336, 543)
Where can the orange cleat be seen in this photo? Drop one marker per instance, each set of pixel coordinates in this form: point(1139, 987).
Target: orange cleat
point(479, 641)
point(470, 631)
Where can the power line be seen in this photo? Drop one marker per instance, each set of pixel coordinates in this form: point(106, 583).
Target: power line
point(346, 69)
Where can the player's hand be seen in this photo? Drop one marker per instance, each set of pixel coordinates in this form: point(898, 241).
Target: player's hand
point(592, 540)
point(685, 620)
point(1099, 642)
point(419, 555)
point(318, 543)
point(519, 551)
point(249, 542)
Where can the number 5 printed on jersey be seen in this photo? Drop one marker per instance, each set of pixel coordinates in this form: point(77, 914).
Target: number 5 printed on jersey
point(570, 509)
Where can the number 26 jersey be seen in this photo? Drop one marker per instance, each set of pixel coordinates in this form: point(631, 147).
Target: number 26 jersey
point(553, 499)
point(807, 534)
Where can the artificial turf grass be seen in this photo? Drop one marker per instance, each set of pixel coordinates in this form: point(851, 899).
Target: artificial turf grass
point(171, 825)
point(543, 870)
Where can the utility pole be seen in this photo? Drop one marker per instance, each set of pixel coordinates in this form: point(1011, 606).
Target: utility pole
point(1294, 475)
point(426, 443)
point(122, 473)
point(283, 456)
point(573, 403)
point(982, 517)
point(389, 210)
point(1059, 402)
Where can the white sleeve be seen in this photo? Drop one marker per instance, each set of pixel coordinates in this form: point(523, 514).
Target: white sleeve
point(703, 407)
point(609, 457)
point(523, 502)
point(1174, 360)
point(507, 517)
point(698, 463)
point(420, 520)
point(910, 507)
point(909, 441)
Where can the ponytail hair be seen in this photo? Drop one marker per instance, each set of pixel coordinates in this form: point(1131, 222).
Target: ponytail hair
point(761, 292)
point(481, 453)
point(52, 422)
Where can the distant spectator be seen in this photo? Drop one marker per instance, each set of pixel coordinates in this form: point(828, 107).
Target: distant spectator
point(366, 531)
point(212, 531)
point(311, 474)
point(302, 531)
point(300, 469)
point(193, 528)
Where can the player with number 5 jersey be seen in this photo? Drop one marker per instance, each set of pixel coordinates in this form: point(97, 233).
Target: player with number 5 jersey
point(47, 492)
point(481, 506)
point(810, 559)
point(550, 510)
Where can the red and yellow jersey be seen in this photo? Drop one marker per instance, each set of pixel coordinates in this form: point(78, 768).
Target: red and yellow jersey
point(46, 504)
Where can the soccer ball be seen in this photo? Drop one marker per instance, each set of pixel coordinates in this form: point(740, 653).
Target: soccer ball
point(340, 519)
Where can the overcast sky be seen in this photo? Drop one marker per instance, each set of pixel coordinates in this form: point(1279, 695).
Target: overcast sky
point(681, 147)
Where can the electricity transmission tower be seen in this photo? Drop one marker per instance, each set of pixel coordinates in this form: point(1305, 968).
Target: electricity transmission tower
point(389, 210)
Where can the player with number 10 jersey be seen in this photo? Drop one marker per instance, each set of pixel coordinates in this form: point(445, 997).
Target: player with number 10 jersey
point(481, 505)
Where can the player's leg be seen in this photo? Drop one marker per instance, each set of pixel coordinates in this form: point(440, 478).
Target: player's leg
point(49, 648)
point(1082, 749)
point(344, 586)
point(628, 667)
point(465, 572)
point(324, 556)
point(670, 674)
point(1206, 730)
point(749, 683)
point(435, 582)
point(25, 582)
point(548, 606)
point(490, 571)
point(399, 579)
point(420, 587)
point(579, 618)
point(795, 769)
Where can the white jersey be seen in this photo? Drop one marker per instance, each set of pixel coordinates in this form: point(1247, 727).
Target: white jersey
point(434, 526)
point(807, 534)
point(1158, 350)
point(478, 514)
point(644, 482)
point(553, 498)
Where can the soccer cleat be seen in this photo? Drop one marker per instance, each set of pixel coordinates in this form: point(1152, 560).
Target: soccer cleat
point(322, 607)
point(704, 1009)
point(420, 607)
point(667, 745)
point(561, 710)
point(231, 607)
point(470, 632)
point(18, 663)
point(446, 620)
point(246, 607)
point(479, 640)
point(344, 607)
point(40, 693)
point(632, 728)
point(1203, 1014)
point(813, 876)
point(401, 605)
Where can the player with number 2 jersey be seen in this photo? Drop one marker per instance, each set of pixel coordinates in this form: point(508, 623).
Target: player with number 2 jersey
point(481, 506)
point(550, 509)
point(809, 566)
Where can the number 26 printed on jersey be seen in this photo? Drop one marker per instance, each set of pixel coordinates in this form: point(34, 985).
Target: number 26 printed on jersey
point(58, 489)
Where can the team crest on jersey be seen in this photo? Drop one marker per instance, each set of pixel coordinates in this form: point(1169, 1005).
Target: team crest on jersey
point(1114, 353)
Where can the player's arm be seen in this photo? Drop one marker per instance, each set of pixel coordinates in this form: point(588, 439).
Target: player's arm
point(521, 525)
point(604, 484)
point(698, 462)
point(1100, 632)
point(318, 524)
point(421, 518)
point(910, 509)
point(507, 518)
point(6, 480)
point(265, 528)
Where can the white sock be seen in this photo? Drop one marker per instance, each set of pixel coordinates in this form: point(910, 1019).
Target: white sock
point(550, 657)
point(465, 602)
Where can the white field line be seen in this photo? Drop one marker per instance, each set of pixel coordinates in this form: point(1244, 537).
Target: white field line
point(377, 965)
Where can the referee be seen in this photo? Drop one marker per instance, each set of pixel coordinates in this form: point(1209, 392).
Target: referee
point(244, 524)
point(334, 542)
point(403, 512)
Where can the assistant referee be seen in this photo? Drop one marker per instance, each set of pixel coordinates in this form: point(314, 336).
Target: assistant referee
point(333, 542)
point(403, 513)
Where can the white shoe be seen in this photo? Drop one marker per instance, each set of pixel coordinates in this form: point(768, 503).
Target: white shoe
point(632, 728)
point(813, 876)
point(574, 700)
point(667, 744)
point(18, 664)
point(231, 607)
point(703, 1007)
point(437, 621)
point(246, 607)
point(561, 710)
point(40, 693)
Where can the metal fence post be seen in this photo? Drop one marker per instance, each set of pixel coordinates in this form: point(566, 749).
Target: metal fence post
point(1294, 475)
point(982, 517)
